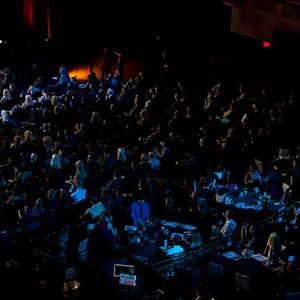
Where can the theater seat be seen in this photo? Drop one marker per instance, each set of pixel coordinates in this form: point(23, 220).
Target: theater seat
point(215, 270)
point(242, 282)
point(82, 249)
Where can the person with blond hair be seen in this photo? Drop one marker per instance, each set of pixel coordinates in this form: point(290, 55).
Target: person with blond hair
point(273, 246)
point(81, 174)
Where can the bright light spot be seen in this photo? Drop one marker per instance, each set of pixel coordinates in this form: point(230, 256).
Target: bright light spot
point(80, 72)
point(266, 44)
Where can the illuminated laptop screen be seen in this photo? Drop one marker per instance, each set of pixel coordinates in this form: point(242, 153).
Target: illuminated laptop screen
point(123, 269)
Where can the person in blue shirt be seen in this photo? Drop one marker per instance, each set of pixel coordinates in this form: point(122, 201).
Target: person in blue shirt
point(139, 211)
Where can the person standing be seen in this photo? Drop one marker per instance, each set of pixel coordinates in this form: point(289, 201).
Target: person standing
point(140, 211)
point(64, 77)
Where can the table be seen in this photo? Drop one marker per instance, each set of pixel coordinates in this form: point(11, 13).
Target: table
point(154, 238)
point(241, 198)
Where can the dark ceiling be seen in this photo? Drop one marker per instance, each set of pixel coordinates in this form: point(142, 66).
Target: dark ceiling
point(91, 20)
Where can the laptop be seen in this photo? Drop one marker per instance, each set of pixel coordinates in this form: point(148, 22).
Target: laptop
point(123, 269)
point(127, 279)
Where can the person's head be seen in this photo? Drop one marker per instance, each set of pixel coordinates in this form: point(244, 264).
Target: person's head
point(177, 240)
point(252, 229)
point(150, 238)
point(55, 162)
point(117, 173)
point(62, 69)
point(229, 214)
point(47, 140)
point(136, 99)
point(6, 94)
point(274, 241)
point(110, 91)
point(51, 194)
point(12, 87)
point(144, 157)
point(39, 203)
point(17, 139)
point(151, 155)
point(121, 154)
point(79, 165)
point(33, 157)
point(162, 144)
point(28, 135)
point(172, 136)
point(133, 165)
point(90, 157)
point(95, 116)
point(5, 115)
point(54, 100)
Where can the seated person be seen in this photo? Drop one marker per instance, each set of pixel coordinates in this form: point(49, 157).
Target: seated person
point(229, 227)
point(77, 190)
point(216, 232)
point(104, 228)
point(102, 238)
point(273, 246)
point(294, 218)
point(153, 161)
point(109, 229)
point(249, 237)
point(253, 178)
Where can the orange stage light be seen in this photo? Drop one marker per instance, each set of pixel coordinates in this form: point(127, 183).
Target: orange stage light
point(82, 72)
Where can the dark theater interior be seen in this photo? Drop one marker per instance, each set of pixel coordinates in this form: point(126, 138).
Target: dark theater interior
point(150, 151)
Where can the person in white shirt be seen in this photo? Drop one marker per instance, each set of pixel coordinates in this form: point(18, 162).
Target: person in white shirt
point(229, 227)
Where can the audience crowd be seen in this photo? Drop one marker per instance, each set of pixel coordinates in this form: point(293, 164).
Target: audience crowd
point(79, 161)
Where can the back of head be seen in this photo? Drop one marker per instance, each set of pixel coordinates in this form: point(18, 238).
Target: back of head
point(177, 240)
point(121, 154)
point(273, 248)
point(274, 240)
